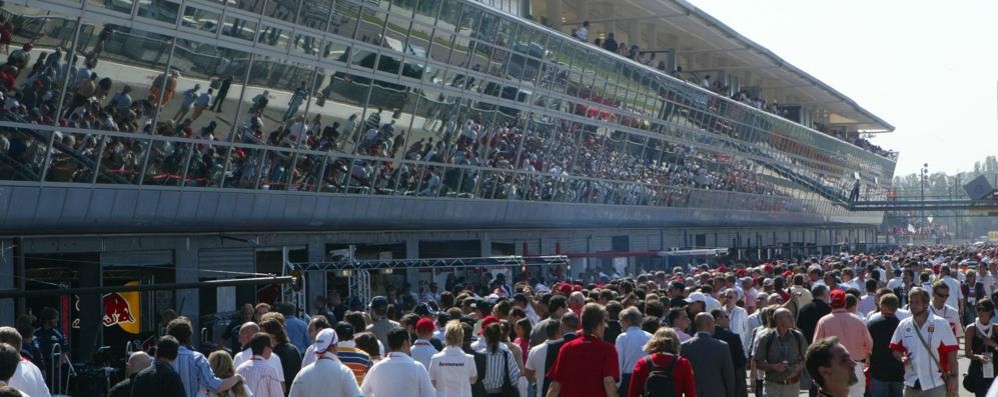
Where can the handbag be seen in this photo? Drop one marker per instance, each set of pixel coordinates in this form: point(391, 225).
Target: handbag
point(974, 378)
point(508, 390)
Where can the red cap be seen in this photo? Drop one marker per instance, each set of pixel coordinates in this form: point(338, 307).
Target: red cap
point(767, 267)
point(788, 274)
point(425, 325)
point(935, 268)
point(565, 289)
point(837, 298)
point(487, 321)
point(722, 268)
point(576, 287)
point(740, 272)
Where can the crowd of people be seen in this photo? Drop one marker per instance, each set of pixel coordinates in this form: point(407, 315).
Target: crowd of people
point(881, 324)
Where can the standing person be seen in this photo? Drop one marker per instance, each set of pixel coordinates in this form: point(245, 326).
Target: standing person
point(711, 359)
point(831, 367)
point(381, 325)
point(979, 347)
point(327, 376)
point(973, 291)
point(851, 332)
point(49, 336)
point(611, 43)
point(398, 374)
point(452, 371)
point(663, 350)
point(630, 346)
point(346, 350)
point(780, 353)
point(296, 328)
point(956, 293)
point(737, 316)
point(223, 91)
point(941, 292)
point(926, 346)
point(191, 365)
point(557, 306)
point(738, 361)
point(297, 98)
point(536, 364)
point(221, 364)
point(582, 33)
point(586, 366)
point(810, 313)
point(160, 380)
point(262, 379)
point(27, 377)
point(422, 350)
point(500, 365)
point(137, 362)
point(282, 347)
point(187, 103)
point(246, 334)
point(202, 102)
point(886, 373)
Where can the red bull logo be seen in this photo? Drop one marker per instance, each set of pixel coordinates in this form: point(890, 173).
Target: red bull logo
point(122, 309)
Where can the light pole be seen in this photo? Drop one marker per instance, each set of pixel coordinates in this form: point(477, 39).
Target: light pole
point(924, 177)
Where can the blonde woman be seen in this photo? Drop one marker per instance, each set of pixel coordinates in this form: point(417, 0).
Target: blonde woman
point(452, 371)
point(663, 350)
point(221, 364)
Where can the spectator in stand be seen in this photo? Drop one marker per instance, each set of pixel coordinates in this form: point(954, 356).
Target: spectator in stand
point(137, 362)
point(574, 373)
point(611, 43)
point(710, 358)
point(663, 353)
point(452, 371)
point(886, 373)
point(159, 379)
point(27, 377)
point(262, 379)
point(191, 365)
point(852, 333)
point(582, 33)
point(327, 376)
point(398, 374)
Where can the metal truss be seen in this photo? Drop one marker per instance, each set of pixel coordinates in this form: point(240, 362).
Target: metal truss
point(433, 263)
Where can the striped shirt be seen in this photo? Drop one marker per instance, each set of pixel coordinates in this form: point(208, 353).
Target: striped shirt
point(261, 378)
point(357, 360)
point(195, 371)
point(496, 373)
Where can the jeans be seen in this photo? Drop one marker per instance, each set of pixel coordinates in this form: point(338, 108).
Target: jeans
point(880, 388)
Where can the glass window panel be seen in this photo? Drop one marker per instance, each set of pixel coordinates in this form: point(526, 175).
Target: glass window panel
point(285, 10)
point(427, 10)
point(315, 14)
point(121, 160)
point(201, 20)
point(73, 158)
point(239, 28)
point(306, 44)
point(274, 35)
point(442, 42)
point(122, 6)
point(160, 10)
point(23, 157)
point(450, 15)
point(345, 17)
point(371, 25)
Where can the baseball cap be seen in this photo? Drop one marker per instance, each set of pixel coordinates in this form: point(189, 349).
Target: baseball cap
point(697, 297)
point(767, 281)
point(677, 285)
point(379, 302)
point(837, 298)
point(565, 289)
point(324, 340)
point(722, 269)
point(425, 325)
point(487, 321)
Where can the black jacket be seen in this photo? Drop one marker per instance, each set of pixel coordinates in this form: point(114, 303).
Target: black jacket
point(734, 344)
point(807, 319)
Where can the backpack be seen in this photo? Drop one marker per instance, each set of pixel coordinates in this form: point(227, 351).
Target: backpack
point(660, 382)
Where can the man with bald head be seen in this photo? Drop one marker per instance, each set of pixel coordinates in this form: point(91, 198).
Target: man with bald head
point(711, 359)
point(246, 333)
point(27, 377)
point(136, 362)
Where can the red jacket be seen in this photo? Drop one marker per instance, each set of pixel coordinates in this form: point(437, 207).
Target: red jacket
point(682, 375)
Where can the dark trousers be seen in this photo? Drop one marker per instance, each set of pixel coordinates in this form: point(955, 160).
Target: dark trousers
point(625, 381)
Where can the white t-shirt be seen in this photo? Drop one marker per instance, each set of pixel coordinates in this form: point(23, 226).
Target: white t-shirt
point(536, 360)
point(28, 379)
point(451, 371)
point(327, 377)
point(273, 361)
point(923, 368)
point(422, 350)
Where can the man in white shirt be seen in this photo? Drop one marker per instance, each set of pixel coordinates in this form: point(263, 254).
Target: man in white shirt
point(938, 307)
point(537, 357)
point(261, 379)
point(868, 303)
point(630, 345)
point(750, 293)
point(955, 298)
point(327, 376)
point(246, 333)
point(27, 377)
point(921, 365)
point(582, 33)
point(737, 316)
point(398, 374)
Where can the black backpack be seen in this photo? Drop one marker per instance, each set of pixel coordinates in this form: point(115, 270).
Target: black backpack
point(660, 382)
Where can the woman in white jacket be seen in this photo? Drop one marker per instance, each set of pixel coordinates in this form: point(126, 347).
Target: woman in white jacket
point(452, 370)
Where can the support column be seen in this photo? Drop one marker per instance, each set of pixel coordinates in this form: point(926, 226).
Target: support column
point(554, 14)
point(412, 252)
point(315, 280)
point(7, 280)
point(185, 259)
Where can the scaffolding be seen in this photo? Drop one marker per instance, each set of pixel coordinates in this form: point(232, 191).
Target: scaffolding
point(358, 272)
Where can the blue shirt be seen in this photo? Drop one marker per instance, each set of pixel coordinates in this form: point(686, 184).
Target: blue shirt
point(297, 332)
point(195, 372)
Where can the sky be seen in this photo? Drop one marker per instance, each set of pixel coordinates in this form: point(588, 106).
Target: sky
point(930, 68)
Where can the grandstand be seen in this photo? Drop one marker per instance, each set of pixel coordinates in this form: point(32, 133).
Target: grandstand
point(407, 129)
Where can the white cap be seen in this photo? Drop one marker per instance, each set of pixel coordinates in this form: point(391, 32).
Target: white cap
point(697, 297)
point(324, 340)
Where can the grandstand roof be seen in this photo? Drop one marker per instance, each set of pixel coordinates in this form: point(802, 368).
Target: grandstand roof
point(709, 44)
